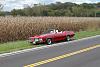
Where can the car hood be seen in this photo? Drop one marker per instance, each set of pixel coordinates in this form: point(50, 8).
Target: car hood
point(40, 36)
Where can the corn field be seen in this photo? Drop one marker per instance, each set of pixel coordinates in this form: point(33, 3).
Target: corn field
point(20, 28)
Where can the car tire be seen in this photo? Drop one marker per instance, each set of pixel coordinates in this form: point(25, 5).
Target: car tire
point(49, 41)
point(68, 38)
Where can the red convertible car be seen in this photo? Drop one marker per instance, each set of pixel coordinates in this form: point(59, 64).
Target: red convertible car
point(52, 36)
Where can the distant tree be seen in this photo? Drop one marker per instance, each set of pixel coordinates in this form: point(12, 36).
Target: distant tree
point(1, 7)
point(68, 13)
point(59, 9)
point(1, 12)
point(28, 11)
point(14, 12)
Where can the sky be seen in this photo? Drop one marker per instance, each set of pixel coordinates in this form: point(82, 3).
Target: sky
point(19, 4)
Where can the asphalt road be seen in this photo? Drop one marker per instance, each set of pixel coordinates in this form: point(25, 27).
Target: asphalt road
point(86, 59)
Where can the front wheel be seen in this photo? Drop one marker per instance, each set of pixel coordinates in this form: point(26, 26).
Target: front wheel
point(49, 41)
point(68, 38)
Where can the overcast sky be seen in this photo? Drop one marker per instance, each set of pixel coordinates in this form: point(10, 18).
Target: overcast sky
point(18, 4)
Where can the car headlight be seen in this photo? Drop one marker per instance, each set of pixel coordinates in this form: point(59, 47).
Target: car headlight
point(36, 39)
point(40, 39)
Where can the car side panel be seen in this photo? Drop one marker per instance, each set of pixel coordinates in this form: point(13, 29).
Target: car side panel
point(60, 36)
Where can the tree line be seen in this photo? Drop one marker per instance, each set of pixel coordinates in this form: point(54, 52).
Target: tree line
point(58, 9)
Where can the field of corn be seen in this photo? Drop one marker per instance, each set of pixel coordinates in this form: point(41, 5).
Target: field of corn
point(20, 28)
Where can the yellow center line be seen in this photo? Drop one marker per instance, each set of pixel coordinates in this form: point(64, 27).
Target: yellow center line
point(62, 56)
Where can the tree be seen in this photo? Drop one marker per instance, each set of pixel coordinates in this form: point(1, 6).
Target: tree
point(59, 9)
point(1, 7)
point(1, 12)
point(14, 12)
point(68, 13)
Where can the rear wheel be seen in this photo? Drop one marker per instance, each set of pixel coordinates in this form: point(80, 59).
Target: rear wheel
point(49, 41)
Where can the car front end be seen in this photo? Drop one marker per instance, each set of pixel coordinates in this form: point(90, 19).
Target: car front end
point(35, 40)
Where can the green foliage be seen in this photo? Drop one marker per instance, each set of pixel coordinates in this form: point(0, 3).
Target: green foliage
point(15, 46)
point(2, 13)
point(17, 12)
point(83, 34)
point(61, 9)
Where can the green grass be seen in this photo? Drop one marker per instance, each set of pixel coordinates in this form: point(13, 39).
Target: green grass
point(15, 46)
point(20, 45)
point(84, 34)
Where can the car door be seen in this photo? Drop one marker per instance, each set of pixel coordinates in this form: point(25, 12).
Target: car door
point(59, 36)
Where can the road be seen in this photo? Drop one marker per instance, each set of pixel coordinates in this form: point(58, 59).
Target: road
point(89, 58)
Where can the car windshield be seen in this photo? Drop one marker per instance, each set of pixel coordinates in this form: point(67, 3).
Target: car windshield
point(49, 31)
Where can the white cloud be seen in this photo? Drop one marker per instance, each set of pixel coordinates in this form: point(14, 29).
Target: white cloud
point(17, 4)
point(77, 1)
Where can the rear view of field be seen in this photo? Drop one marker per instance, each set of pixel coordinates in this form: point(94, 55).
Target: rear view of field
point(20, 28)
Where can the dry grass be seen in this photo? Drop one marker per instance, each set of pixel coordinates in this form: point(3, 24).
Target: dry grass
point(20, 28)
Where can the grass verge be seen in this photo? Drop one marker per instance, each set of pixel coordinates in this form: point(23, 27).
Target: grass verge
point(15, 46)
point(84, 34)
point(20, 45)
